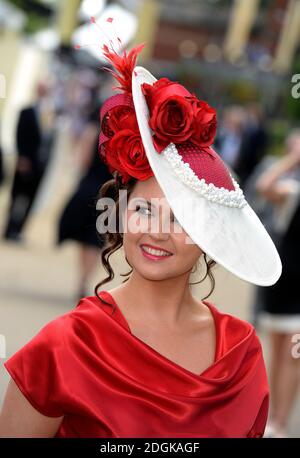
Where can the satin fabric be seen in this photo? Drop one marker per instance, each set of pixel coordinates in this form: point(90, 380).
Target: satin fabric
point(87, 366)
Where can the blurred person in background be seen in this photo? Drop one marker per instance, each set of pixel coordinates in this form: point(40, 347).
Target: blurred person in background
point(81, 93)
point(78, 219)
point(229, 140)
point(1, 167)
point(253, 145)
point(281, 302)
point(275, 216)
point(34, 139)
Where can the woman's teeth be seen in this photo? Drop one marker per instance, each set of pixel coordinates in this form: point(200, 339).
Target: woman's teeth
point(155, 252)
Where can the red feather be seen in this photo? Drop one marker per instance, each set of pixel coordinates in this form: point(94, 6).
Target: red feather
point(123, 65)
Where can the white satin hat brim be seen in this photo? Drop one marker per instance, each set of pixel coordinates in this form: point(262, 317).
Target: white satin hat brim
point(233, 237)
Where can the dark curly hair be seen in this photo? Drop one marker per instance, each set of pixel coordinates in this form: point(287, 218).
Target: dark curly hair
point(114, 240)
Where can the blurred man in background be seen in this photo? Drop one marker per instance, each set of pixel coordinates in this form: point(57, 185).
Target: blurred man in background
point(1, 167)
point(34, 138)
point(229, 139)
point(254, 143)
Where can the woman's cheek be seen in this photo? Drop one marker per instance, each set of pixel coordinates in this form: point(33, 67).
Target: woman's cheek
point(188, 240)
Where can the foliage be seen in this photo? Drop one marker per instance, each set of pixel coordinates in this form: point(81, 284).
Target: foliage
point(37, 12)
point(292, 105)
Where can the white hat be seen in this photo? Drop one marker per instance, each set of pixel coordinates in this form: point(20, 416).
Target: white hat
point(172, 140)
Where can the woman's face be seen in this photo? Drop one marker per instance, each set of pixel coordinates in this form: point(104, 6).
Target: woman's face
point(155, 225)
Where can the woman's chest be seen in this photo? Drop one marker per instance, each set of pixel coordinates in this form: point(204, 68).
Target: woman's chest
point(190, 349)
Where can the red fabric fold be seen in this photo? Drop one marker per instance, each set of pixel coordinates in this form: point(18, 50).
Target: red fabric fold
point(89, 367)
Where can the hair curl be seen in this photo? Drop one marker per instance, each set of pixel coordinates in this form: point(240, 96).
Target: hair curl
point(114, 240)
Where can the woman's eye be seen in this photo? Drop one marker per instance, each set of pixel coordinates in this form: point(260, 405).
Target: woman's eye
point(142, 209)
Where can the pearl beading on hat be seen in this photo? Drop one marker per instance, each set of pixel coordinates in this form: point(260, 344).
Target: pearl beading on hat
point(208, 190)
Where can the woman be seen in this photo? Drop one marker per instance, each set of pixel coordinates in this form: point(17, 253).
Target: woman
point(281, 309)
point(147, 358)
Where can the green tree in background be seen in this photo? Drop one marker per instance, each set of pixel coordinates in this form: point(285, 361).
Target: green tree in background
point(293, 104)
point(39, 13)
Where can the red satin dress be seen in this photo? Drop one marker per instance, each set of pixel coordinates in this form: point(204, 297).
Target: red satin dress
point(87, 366)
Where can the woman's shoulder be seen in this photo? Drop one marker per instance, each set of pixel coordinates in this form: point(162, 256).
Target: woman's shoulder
point(58, 337)
point(237, 338)
point(84, 315)
point(232, 320)
point(231, 325)
point(86, 310)
point(59, 349)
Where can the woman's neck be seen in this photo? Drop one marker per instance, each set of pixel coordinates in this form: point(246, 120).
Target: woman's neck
point(169, 301)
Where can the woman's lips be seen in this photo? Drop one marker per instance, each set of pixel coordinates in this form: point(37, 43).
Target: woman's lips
point(154, 257)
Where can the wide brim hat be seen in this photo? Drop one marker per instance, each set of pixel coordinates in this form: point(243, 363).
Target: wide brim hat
point(157, 127)
point(220, 222)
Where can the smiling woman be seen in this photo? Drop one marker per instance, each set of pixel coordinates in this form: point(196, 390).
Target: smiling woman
point(142, 217)
point(147, 358)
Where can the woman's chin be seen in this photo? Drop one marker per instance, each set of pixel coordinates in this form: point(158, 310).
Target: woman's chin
point(153, 272)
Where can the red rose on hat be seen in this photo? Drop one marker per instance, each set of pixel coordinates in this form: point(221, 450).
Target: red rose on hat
point(177, 116)
point(162, 88)
point(127, 155)
point(122, 116)
point(122, 145)
point(171, 114)
point(205, 124)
